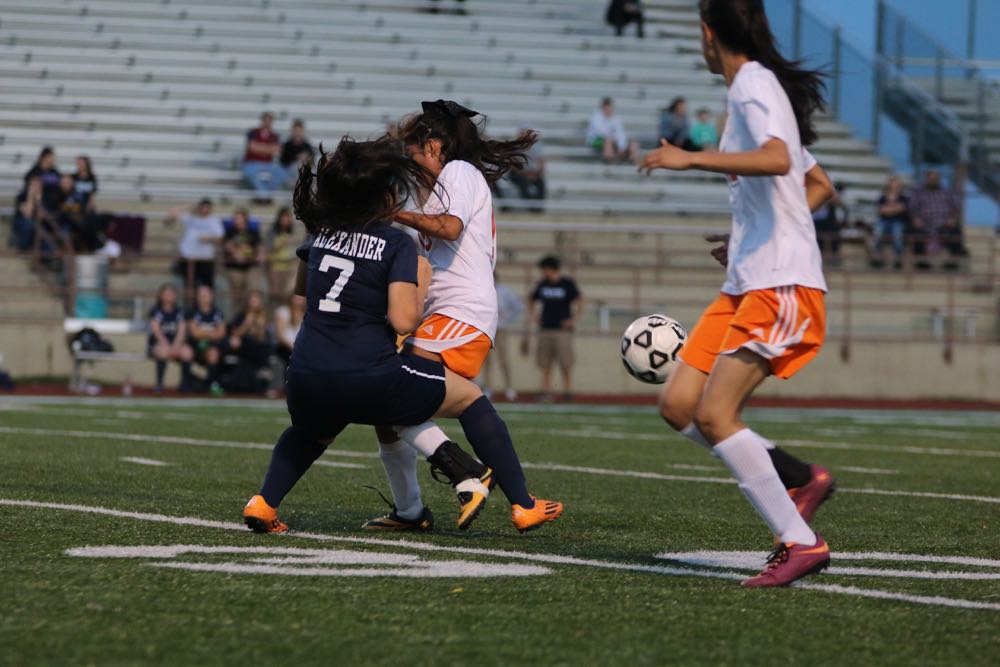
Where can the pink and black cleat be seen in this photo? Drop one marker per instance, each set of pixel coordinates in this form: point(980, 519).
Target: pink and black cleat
point(809, 497)
point(790, 562)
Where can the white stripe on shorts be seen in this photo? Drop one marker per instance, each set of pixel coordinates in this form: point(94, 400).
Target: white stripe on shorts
point(423, 375)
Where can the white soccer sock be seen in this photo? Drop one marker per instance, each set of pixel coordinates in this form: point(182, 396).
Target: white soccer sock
point(400, 463)
point(692, 433)
point(426, 437)
point(745, 454)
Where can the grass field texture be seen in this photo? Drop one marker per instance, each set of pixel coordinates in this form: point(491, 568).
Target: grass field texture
point(90, 486)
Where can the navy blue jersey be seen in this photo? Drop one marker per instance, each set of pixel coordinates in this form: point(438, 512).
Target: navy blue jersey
point(207, 320)
point(347, 296)
point(169, 321)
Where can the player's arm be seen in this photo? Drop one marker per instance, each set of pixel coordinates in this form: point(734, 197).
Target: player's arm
point(771, 159)
point(181, 334)
point(819, 189)
point(405, 306)
point(440, 226)
point(154, 328)
point(301, 279)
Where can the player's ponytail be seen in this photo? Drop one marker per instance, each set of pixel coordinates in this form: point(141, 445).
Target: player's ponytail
point(462, 139)
point(741, 26)
point(361, 182)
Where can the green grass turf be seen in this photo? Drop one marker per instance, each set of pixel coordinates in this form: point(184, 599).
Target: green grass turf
point(63, 610)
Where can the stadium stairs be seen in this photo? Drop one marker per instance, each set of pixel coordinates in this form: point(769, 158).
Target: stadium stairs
point(160, 92)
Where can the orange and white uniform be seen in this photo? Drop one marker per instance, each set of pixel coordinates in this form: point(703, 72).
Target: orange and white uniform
point(772, 301)
point(460, 314)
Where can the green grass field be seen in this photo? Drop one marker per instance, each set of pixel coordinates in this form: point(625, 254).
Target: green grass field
point(915, 529)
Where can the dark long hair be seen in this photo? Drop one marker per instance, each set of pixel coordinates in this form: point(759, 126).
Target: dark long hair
point(359, 183)
point(461, 139)
point(742, 27)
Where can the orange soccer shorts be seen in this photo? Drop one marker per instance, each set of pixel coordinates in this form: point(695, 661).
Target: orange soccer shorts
point(785, 325)
point(463, 348)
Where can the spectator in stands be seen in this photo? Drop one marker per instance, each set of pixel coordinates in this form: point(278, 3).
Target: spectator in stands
point(203, 231)
point(510, 308)
point(250, 337)
point(606, 134)
point(295, 151)
point(85, 183)
point(206, 330)
point(28, 209)
point(243, 255)
point(281, 259)
point(45, 168)
point(458, 9)
point(830, 220)
point(561, 304)
point(168, 337)
point(73, 218)
point(530, 179)
point(674, 125)
point(893, 223)
point(287, 321)
point(934, 214)
point(704, 133)
point(622, 12)
point(259, 168)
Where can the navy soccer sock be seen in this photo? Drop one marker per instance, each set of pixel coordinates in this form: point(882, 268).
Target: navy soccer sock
point(793, 472)
point(488, 436)
point(161, 369)
point(292, 456)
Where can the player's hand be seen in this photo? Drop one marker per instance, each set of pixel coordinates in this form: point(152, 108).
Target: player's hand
point(667, 156)
point(567, 324)
point(720, 253)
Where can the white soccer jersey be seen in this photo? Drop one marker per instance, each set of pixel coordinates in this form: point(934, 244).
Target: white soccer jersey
point(773, 240)
point(462, 283)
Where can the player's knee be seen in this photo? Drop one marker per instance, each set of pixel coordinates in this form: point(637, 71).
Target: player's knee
point(212, 355)
point(677, 416)
point(710, 420)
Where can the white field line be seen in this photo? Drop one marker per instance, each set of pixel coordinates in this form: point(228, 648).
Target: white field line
point(869, 471)
point(143, 462)
point(340, 464)
point(131, 437)
point(552, 559)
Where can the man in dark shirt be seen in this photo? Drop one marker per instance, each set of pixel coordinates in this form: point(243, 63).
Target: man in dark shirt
point(561, 305)
point(259, 168)
point(296, 151)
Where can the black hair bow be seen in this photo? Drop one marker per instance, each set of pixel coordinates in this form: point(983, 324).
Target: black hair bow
point(453, 109)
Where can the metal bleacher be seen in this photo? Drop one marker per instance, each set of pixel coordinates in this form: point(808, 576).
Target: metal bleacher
point(160, 92)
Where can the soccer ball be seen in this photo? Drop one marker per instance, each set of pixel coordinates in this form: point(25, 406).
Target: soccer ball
point(650, 346)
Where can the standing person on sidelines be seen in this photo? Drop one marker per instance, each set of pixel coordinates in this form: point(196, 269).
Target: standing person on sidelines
point(509, 309)
point(457, 230)
point(770, 317)
point(561, 306)
point(363, 285)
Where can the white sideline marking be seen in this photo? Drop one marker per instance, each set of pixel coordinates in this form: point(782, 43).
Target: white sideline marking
point(339, 464)
point(551, 559)
point(298, 561)
point(143, 462)
point(869, 471)
point(539, 466)
point(749, 560)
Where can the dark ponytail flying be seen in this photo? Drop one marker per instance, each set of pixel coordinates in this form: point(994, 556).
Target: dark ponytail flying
point(742, 27)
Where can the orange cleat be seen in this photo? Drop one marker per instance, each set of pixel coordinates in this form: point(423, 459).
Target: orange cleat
point(543, 512)
point(262, 518)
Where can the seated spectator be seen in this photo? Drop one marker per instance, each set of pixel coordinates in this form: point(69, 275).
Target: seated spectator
point(242, 254)
point(28, 210)
point(168, 337)
point(704, 134)
point(250, 339)
point(45, 168)
point(829, 220)
point(206, 330)
point(674, 126)
point(622, 12)
point(530, 179)
point(259, 169)
point(606, 134)
point(281, 259)
point(296, 151)
point(934, 215)
point(85, 183)
point(893, 222)
point(72, 217)
point(287, 321)
point(203, 230)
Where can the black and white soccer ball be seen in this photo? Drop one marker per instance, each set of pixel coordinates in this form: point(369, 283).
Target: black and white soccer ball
point(650, 346)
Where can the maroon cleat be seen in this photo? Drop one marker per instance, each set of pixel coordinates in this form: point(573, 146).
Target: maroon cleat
point(809, 497)
point(790, 562)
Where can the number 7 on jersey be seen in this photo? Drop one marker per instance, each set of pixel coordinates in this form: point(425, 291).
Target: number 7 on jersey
point(330, 304)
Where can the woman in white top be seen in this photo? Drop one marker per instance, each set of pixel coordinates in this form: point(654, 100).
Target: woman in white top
point(770, 317)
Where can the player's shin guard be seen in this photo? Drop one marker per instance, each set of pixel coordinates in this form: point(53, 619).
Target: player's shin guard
point(293, 455)
point(491, 441)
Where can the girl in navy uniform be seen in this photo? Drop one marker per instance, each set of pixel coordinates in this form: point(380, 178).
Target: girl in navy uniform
point(363, 285)
point(168, 336)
